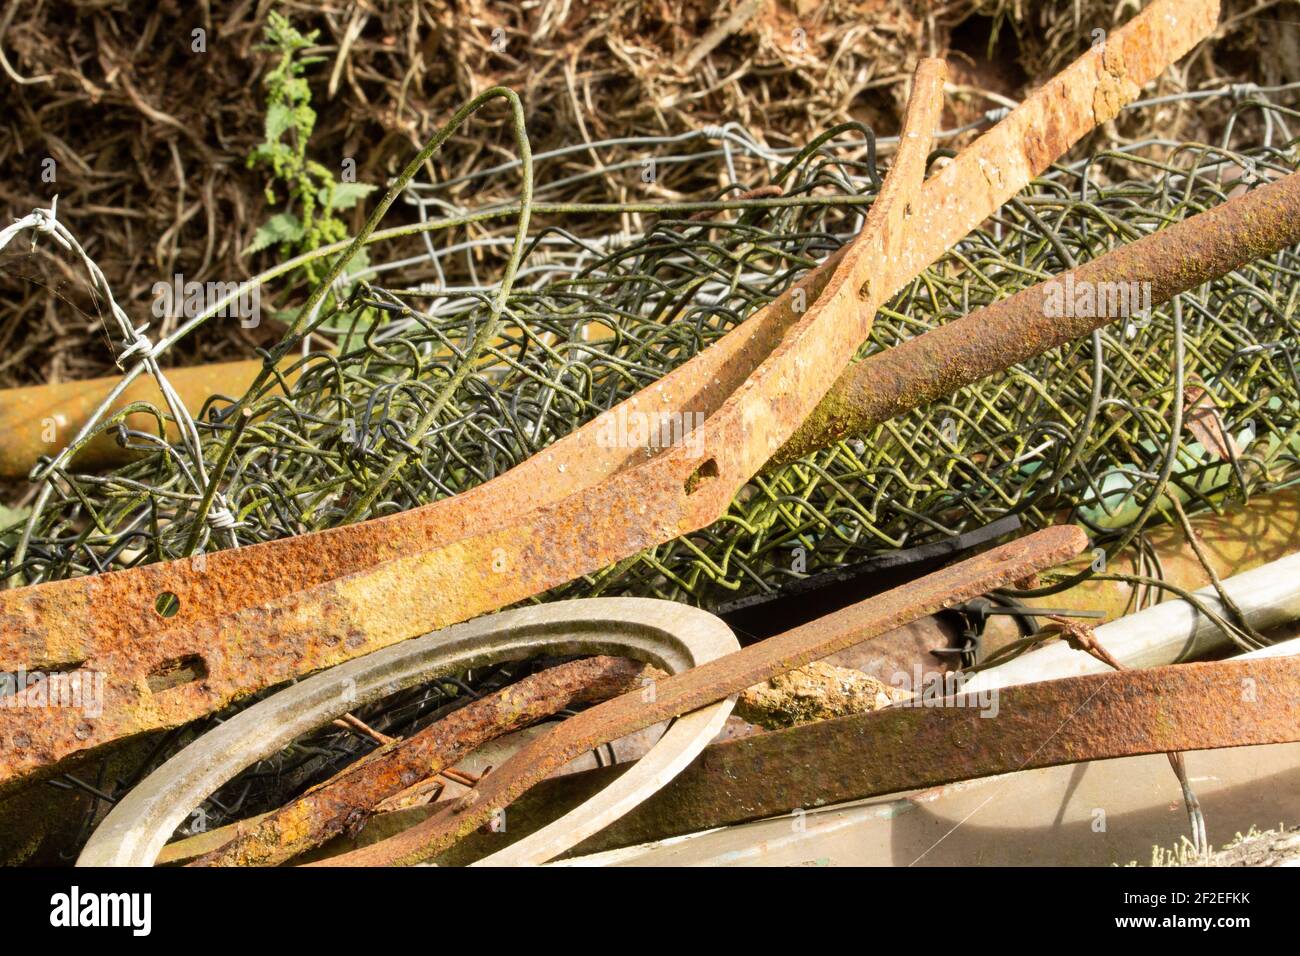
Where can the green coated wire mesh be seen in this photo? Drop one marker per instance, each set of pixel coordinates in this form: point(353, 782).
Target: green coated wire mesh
point(1084, 430)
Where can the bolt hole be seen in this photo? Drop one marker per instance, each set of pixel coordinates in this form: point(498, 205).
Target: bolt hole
point(864, 290)
point(176, 673)
point(701, 474)
point(167, 604)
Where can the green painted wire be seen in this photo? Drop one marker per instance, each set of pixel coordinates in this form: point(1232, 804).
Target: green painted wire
point(454, 405)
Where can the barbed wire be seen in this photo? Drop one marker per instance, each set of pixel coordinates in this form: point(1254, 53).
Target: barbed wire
point(191, 466)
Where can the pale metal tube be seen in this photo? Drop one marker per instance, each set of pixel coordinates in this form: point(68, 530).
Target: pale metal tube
point(1269, 596)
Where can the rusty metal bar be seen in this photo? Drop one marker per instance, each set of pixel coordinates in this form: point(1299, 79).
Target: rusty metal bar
point(1117, 714)
point(990, 340)
point(672, 636)
point(721, 678)
point(1099, 84)
point(260, 615)
point(675, 492)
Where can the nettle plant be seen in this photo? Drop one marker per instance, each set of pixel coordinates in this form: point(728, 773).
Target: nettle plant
point(311, 196)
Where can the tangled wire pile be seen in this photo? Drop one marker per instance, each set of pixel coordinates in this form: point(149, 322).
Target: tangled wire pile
point(148, 128)
point(148, 125)
point(423, 397)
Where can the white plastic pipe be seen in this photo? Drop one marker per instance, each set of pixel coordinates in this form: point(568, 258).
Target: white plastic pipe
point(1268, 596)
point(1284, 649)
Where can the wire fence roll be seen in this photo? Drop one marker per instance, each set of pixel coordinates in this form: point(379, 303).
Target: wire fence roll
point(1087, 431)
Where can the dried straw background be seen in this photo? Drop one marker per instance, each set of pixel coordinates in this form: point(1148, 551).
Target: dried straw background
point(150, 138)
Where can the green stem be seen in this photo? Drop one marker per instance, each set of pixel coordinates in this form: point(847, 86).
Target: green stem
point(394, 190)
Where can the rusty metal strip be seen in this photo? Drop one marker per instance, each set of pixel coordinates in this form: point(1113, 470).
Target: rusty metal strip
point(719, 679)
point(347, 799)
point(992, 339)
point(256, 616)
point(1234, 703)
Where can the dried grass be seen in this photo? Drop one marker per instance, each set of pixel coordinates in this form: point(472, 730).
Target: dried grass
point(150, 138)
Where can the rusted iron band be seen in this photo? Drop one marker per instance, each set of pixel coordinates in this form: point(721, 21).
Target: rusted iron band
point(347, 799)
point(672, 636)
point(721, 678)
point(1089, 92)
point(496, 561)
point(256, 616)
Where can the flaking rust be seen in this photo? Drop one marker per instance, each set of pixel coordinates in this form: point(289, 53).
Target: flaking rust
point(256, 616)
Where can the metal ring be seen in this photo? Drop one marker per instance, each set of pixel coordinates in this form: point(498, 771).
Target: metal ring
point(672, 636)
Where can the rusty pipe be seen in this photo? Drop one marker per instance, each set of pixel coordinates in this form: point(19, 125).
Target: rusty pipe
point(996, 337)
point(39, 419)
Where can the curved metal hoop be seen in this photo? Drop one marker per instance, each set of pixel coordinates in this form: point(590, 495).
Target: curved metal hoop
point(672, 636)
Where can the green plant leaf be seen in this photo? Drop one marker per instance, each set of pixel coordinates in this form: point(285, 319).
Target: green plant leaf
point(279, 120)
point(345, 195)
point(282, 227)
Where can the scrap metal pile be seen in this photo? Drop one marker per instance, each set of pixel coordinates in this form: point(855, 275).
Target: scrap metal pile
point(844, 367)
